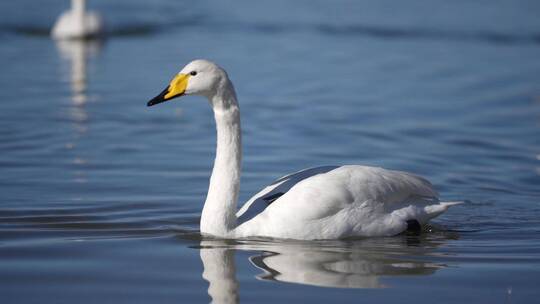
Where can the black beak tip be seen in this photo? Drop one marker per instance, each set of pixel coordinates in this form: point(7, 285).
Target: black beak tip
point(155, 101)
point(158, 99)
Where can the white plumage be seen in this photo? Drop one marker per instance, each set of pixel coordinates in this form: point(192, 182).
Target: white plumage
point(340, 202)
point(328, 202)
point(77, 23)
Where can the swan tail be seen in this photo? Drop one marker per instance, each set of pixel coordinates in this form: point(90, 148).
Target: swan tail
point(449, 204)
point(437, 209)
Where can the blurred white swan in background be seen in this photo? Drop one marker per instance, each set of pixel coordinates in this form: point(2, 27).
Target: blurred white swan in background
point(77, 23)
point(329, 202)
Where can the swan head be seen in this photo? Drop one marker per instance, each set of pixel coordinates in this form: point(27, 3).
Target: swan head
point(199, 77)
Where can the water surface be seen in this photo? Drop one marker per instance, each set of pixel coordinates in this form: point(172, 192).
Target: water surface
point(101, 196)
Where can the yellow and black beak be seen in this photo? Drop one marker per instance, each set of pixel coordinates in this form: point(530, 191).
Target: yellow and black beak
point(176, 88)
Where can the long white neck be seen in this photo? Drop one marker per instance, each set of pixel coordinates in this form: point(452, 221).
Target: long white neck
point(219, 213)
point(78, 6)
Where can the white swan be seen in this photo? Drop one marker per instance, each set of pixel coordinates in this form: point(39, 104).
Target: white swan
point(78, 23)
point(320, 203)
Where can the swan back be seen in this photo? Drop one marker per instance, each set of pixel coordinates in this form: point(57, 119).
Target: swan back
point(344, 202)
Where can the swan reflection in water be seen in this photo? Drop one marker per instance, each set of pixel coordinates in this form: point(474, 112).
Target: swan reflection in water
point(77, 54)
point(338, 264)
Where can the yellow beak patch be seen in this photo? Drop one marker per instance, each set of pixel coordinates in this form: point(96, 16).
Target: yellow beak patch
point(177, 86)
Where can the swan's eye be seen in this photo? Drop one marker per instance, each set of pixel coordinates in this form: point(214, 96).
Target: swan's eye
point(193, 73)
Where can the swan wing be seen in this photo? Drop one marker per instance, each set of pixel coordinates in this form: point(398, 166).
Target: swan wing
point(341, 202)
point(322, 195)
point(272, 192)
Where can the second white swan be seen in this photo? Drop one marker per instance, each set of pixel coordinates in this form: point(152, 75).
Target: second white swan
point(78, 23)
point(330, 202)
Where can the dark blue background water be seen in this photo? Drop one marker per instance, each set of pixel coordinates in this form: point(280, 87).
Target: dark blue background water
point(101, 196)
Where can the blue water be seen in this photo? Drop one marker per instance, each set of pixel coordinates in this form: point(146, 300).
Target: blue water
point(101, 196)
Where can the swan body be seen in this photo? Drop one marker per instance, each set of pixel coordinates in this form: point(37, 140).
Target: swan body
point(329, 202)
point(77, 23)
